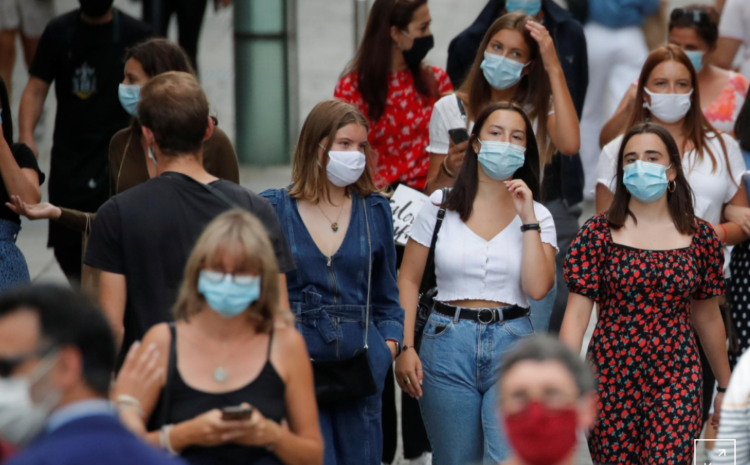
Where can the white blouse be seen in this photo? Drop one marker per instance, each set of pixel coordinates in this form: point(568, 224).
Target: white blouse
point(711, 188)
point(468, 267)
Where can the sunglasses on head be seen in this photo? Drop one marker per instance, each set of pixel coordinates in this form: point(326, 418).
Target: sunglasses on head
point(9, 364)
point(695, 16)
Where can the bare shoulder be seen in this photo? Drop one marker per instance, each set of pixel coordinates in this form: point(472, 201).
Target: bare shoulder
point(287, 340)
point(160, 335)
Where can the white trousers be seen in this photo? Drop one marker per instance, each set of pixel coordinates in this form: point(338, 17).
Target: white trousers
point(615, 60)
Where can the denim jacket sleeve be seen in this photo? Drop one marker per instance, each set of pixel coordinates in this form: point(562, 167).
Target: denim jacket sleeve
point(387, 312)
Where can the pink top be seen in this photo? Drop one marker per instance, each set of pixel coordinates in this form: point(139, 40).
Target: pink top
point(722, 113)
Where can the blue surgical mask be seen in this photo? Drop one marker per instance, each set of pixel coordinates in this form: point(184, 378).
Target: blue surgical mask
point(129, 96)
point(225, 295)
point(696, 57)
point(645, 181)
point(501, 72)
point(530, 7)
point(500, 160)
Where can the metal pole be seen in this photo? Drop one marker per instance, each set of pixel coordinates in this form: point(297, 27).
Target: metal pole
point(361, 10)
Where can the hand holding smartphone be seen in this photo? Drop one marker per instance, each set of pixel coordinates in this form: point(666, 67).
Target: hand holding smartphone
point(458, 135)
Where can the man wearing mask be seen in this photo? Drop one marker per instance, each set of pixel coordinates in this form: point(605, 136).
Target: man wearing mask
point(563, 176)
point(141, 238)
point(547, 396)
point(56, 360)
point(82, 52)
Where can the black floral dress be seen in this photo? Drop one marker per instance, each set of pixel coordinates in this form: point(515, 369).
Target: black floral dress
point(643, 348)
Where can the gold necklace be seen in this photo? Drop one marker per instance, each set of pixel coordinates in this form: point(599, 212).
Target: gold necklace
point(334, 224)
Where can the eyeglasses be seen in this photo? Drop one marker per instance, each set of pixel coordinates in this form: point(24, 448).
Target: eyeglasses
point(241, 279)
point(695, 16)
point(8, 365)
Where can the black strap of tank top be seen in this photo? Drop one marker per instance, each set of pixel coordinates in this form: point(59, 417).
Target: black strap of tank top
point(171, 369)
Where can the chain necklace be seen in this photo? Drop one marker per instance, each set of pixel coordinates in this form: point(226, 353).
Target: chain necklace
point(334, 224)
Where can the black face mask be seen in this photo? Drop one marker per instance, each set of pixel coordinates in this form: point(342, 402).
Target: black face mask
point(418, 51)
point(95, 8)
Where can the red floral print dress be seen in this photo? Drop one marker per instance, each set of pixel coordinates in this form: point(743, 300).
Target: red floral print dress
point(400, 136)
point(643, 349)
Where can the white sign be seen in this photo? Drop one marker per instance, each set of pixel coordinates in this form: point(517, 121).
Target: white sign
point(405, 205)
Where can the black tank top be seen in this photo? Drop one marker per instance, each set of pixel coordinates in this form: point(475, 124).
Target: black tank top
point(266, 393)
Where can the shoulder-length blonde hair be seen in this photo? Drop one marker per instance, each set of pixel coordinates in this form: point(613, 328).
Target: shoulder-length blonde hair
point(309, 176)
point(534, 90)
point(240, 233)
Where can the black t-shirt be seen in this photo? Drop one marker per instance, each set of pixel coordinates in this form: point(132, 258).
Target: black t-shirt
point(86, 63)
point(148, 232)
point(25, 159)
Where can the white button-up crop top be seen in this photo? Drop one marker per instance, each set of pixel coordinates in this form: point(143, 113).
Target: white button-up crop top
point(468, 267)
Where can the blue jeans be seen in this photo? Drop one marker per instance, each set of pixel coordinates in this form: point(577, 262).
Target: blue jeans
point(541, 310)
point(352, 432)
point(461, 361)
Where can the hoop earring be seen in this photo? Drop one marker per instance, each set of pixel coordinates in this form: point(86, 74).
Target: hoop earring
point(672, 186)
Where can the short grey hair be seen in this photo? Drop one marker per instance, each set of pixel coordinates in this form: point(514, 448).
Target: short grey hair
point(546, 349)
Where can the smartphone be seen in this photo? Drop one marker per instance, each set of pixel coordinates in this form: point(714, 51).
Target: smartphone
point(236, 413)
point(458, 135)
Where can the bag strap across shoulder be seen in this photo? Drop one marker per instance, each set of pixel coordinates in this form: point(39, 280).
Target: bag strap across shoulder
point(428, 278)
point(461, 107)
point(369, 272)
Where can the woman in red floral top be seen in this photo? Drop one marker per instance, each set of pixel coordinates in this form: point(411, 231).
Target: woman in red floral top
point(390, 85)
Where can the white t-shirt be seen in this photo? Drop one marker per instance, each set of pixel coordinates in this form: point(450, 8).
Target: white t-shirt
point(735, 24)
point(467, 267)
point(446, 115)
point(711, 189)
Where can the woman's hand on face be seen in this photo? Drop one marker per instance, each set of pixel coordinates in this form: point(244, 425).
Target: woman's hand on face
point(140, 374)
point(455, 158)
point(40, 211)
point(546, 46)
point(258, 431)
point(739, 215)
point(409, 367)
point(523, 200)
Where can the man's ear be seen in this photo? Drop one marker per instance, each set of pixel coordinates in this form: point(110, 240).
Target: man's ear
point(209, 129)
point(149, 135)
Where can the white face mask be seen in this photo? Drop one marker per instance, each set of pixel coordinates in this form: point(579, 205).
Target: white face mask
point(668, 108)
point(345, 168)
point(152, 156)
point(21, 416)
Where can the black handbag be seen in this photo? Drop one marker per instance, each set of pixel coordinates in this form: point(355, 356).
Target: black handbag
point(428, 287)
point(347, 380)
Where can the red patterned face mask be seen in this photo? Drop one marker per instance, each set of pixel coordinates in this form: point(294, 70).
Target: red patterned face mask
point(541, 436)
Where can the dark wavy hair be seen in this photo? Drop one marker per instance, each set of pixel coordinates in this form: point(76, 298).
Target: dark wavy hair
point(6, 113)
point(373, 60)
point(741, 127)
point(680, 201)
point(704, 19)
point(461, 197)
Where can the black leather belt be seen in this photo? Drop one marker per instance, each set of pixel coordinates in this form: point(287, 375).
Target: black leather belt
point(485, 316)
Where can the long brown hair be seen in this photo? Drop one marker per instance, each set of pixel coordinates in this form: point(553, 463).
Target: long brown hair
point(680, 201)
point(461, 197)
point(373, 60)
point(695, 126)
point(534, 89)
point(308, 176)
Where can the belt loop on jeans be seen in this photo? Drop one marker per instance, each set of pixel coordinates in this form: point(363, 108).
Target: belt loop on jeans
point(485, 316)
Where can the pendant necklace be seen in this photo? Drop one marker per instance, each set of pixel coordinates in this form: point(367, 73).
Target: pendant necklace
point(334, 224)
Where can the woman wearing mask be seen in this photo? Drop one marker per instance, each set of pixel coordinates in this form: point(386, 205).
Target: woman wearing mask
point(224, 351)
point(19, 177)
point(655, 271)
point(130, 162)
point(695, 29)
point(516, 62)
point(712, 160)
point(339, 226)
point(389, 83)
point(495, 249)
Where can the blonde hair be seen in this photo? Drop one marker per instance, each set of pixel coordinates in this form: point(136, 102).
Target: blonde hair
point(309, 176)
point(230, 232)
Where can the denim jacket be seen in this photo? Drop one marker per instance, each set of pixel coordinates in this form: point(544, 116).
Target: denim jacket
point(324, 289)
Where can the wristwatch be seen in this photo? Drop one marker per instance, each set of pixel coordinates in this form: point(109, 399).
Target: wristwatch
point(398, 346)
point(531, 227)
